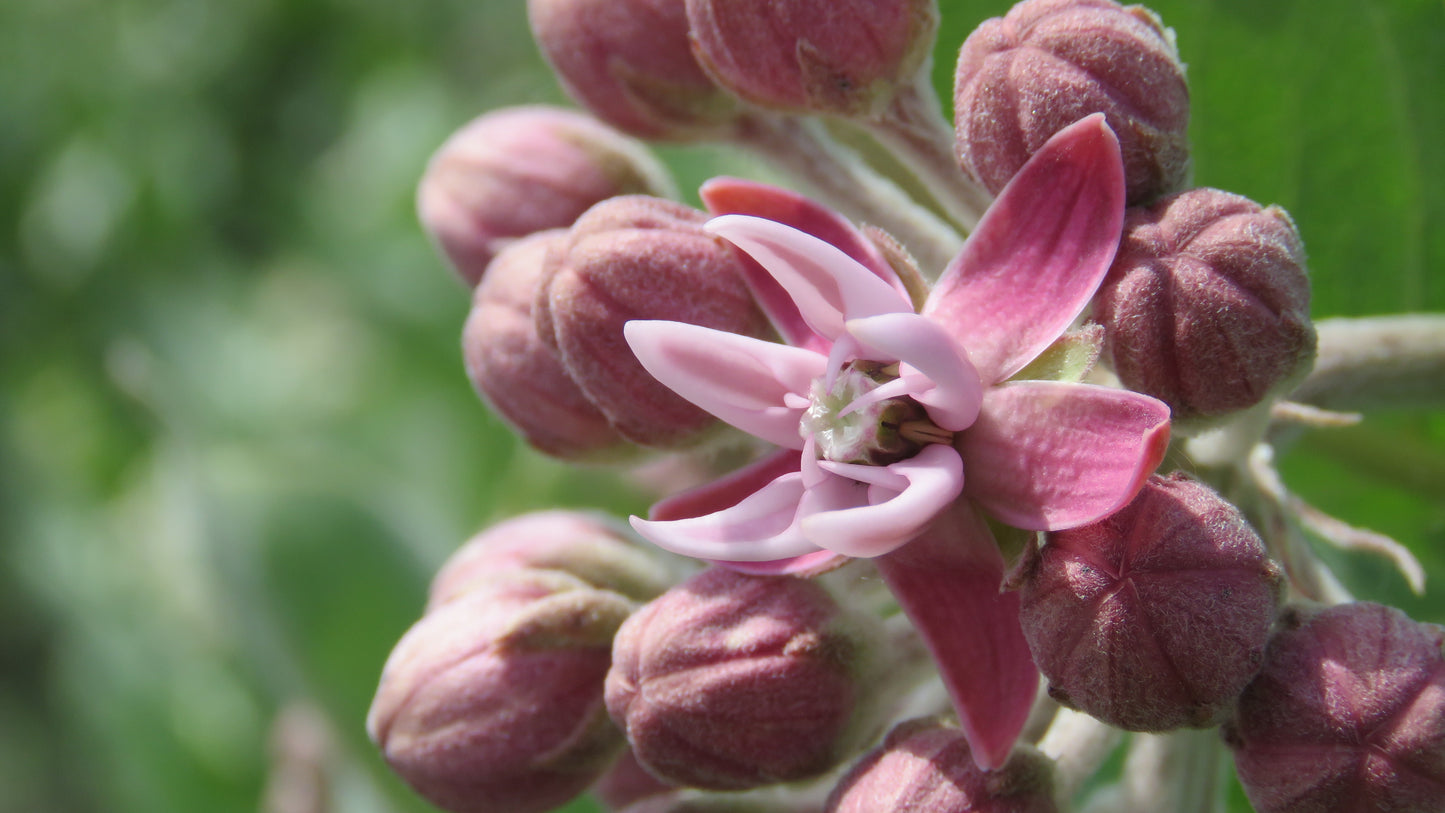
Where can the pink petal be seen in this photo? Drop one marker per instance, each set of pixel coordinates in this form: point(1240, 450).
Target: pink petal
point(1050, 455)
point(828, 286)
point(742, 380)
point(1039, 253)
point(942, 377)
point(763, 527)
point(947, 581)
point(893, 504)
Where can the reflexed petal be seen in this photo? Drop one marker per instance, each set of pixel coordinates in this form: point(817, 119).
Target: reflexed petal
point(739, 379)
point(891, 516)
point(726, 491)
point(1045, 456)
point(948, 386)
point(828, 286)
point(947, 581)
point(761, 528)
point(1039, 253)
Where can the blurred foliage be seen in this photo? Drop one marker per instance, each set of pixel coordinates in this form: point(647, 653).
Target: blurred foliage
point(235, 436)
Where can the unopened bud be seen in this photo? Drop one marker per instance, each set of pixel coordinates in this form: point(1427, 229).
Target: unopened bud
point(1207, 304)
point(494, 701)
point(1347, 714)
point(926, 767)
point(729, 681)
point(840, 57)
point(520, 376)
point(1156, 617)
point(521, 170)
point(629, 62)
point(1048, 63)
point(638, 257)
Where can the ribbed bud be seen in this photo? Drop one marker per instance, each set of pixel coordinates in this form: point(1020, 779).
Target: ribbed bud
point(629, 62)
point(631, 258)
point(840, 57)
point(729, 681)
point(1346, 716)
point(1156, 617)
point(520, 376)
point(493, 702)
point(1048, 63)
point(924, 766)
point(1207, 304)
point(521, 170)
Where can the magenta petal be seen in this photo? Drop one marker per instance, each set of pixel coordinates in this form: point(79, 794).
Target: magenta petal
point(762, 527)
point(901, 500)
point(828, 286)
point(1039, 253)
point(947, 581)
point(742, 380)
point(946, 382)
point(1049, 455)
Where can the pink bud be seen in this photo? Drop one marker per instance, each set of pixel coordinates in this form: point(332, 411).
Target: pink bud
point(518, 375)
point(493, 701)
point(631, 258)
point(521, 170)
point(629, 62)
point(1346, 716)
point(730, 681)
point(926, 767)
point(1207, 305)
point(843, 57)
point(1048, 63)
point(1156, 617)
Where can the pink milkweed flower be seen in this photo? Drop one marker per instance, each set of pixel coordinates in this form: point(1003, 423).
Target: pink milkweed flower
point(899, 429)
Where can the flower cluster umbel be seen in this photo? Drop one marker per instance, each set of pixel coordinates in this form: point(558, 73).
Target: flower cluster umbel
point(952, 403)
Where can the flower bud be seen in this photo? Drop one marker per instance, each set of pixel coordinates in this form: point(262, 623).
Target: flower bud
point(1347, 714)
point(1156, 617)
point(1207, 305)
point(582, 545)
point(841, 57)
point(629, 62)
point(1048, 63)
point(631, 258)
point(521, 170)
point(518, 375)
point(926, 767)
point(729, 681)
point(493, 701)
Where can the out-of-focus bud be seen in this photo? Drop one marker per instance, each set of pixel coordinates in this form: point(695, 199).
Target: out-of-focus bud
point(1048, 63)
point(520, 376)
point(924, 766)
point(493, 701)
point(521, 170)
point(1207, 304)
point(729, 681)
point(588, 547)
point(1347, 715)
point(841, 57)
point(638, 257)
point(1156, 617)
point(629, 62)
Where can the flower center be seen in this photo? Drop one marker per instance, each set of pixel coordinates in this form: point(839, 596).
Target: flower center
point(849, 427)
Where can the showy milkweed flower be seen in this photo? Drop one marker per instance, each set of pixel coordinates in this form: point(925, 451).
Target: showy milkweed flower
point(897, 427)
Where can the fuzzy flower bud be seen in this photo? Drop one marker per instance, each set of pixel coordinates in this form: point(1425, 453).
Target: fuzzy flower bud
point(1156, 617)
point(520, 376)
point(589, 547)
point(1207, 305)
point(1048, 63)
point(926, 767)
point(629, 62)
point(729, 682)
point(631, 258)
point(841, 57)
point(1346, 716)
point(521, 170)
point(493, 701)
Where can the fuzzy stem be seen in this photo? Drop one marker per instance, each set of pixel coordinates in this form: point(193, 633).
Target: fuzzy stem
point(1079, 745)
point(1177, 772)
point(1389, 362)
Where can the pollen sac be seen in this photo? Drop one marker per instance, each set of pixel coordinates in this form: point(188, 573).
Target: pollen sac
point(1048, 63)
point(521, 170)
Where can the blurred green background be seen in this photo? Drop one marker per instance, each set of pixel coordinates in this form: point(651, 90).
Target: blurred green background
point(235, 434)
